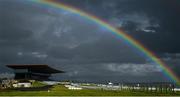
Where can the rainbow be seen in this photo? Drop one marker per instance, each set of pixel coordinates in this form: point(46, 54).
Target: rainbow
point(117, 32)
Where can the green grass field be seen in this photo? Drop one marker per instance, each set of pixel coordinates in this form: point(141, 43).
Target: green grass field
point(38, 84)
point(60, 90)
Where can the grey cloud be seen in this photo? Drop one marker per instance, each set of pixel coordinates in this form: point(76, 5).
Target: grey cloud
point(135, 21)
point(133, 69)
point(6, 75)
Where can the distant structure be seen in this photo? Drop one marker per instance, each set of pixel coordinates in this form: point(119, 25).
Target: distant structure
point(33, 72)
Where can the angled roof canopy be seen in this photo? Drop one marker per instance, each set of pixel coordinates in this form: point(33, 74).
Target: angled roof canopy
point(39, 68)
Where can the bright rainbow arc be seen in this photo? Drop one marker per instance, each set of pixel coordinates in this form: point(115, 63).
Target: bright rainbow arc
point(119, 33)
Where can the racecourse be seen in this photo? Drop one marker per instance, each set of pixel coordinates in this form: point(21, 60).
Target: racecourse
point(61, 90)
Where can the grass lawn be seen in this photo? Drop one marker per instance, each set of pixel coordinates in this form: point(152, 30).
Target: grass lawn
point(38, 84)
point(60, 90)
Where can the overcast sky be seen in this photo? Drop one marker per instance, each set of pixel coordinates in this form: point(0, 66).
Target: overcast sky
point(34, 34)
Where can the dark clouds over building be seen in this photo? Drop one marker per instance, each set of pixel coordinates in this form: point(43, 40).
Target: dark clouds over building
point(31, 34)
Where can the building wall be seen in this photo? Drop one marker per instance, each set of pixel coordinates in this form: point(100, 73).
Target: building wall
point(22, 85)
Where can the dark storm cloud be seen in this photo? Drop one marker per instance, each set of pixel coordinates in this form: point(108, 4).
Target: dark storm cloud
point(30, 34)
point(167, 15)
point(163, 16)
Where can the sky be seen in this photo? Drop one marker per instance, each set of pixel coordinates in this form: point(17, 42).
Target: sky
point(33, 34)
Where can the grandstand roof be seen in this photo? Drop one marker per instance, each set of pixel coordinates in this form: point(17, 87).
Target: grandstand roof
point(38, 68)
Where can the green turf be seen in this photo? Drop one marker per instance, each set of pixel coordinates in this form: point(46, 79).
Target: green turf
point(38, 84)
point(60, 90)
